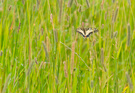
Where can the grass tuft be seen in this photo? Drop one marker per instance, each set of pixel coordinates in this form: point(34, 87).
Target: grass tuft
point(41, 49)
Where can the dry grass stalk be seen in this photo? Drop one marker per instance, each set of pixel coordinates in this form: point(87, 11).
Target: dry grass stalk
point(112, 27)
point(113, 1)
point(60, 12)
point(129, 2)
point(9, 8)
point(15, 78)
point(100, 82)
point(102, 4)
point(54, 31)
point(6, 84)
point(76, 2)
point(42, 31)
point(29, 48)
point(113, 16)
point(1, 52)
point(58, 2)
point(11, 27)
point(23, 2)
point(51, 20)
point(70, 3)
point(41, 65)
point(102, 59)
point(82, 24)
point(55, 35)
point(72, 57)
point(102, 55)
point(116, 13)
point(91, 58)
point(129, 81)
point(47, 43)
point(1, 9)
point(65, 69)
point(88, 4)
point(105, 15)
point(30, 53)
point(80, 8)
point(102, 27)
point(38, 4)
point(46, 52)
point(128, 37)
point(30, 67)
point(19, 27)
point(44, 64)
point(36, 61)
point(115, 34)
point(92, 83)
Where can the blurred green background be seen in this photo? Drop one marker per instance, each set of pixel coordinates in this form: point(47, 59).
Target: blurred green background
point(41, 52)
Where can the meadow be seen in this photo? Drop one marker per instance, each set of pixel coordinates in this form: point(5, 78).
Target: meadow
point(41, 52)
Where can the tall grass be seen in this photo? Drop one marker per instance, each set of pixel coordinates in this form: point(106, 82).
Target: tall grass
point(40, 50)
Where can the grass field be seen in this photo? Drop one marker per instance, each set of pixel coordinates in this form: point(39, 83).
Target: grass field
point(41, 52)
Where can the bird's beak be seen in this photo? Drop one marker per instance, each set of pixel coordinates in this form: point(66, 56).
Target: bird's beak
point(85, 36)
